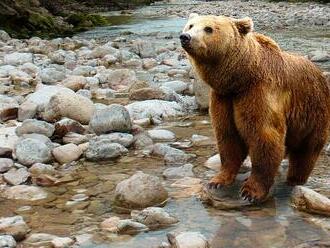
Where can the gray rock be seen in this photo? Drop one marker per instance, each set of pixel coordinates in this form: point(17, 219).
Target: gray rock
point(8, 140)
point(179, 172)
point(16, 176)
point(14, 226)
point(39, 240)
point(8, 108)
point(52, 75)
point(67, 153)
point(41, 138)
point(319, 56)
point(103, 149)
point(84, 70)
point(35, 126)
point(144, 48)
point(107, 49)
point(124, 139)
point(116, 225)
point(117, 79)
point(161, 135)
point(153, 217)
point(27, 110)
point(18, 58)
point(39, 168)
point(140, 191)
point(142, 140)
point(188, 240)
point(4, 36)
point(6, 164)
point(172, 156)
point(62, 56)
point(201, 91)
point(7, 241)
point(75, 138)
point(29, 151)
point(25, 193)
point(177, 86)
point(113, 118)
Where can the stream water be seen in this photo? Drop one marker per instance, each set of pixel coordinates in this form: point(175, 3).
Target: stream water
point(275, 224)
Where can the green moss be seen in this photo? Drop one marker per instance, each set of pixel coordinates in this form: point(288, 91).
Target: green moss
point(80, 20)
point(41, 22)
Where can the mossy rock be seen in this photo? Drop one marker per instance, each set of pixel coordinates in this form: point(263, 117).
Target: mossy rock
point(83, 20)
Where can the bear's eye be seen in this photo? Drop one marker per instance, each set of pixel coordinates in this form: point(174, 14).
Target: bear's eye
point(208, 30)
point(191, 26)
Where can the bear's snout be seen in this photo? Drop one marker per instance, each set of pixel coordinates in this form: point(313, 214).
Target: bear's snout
point(185, 39)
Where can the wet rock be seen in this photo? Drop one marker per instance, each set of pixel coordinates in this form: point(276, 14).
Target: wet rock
point(74, 83)
point(147, 93)
point(103, 149)
point(161, 135)
point(153, 217)
point(172, 155)
point(67, 153)
point(29, 151)
point(75, 138)
point(140, 191)
point(8, 108)
point(6, 164)
point(113, 118)
point(52, 75)
point(143, 48)
point(156, 109)
point(308, 200)
point(201, 140)
point(7, 241)
point(60, 242)
point(39, 168)
point(4, 36)
point(116, 225)
point(177, 86)
point(14, 226)
point(188, 240)
point(142, 140)
point(25, 193)
point(70, 105)
point(179, 172)
point(18, 58)
point(40, 240)
point(27, 110)
point(201, 91)
point(66, 126)
point(187, 187)
point(124, 139)
point(35, 126)
point(16, 176)
point(319, 56)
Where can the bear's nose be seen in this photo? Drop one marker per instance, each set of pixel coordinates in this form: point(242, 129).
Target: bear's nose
point(185, 38)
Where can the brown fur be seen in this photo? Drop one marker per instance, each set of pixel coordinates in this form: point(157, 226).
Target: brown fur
point(264, 102)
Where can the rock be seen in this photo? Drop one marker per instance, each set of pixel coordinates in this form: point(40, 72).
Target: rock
point(149, 63)
point(103, 149)
point(144, 48)
point(104, 94)
point(85, 93)
point(8, 108)
point(188, 240)
point(74, 83)
point(124, 139)
point(153, 217)
point(201, 91)
point(186, 187)
point(8, 140)
point(308, 200)
point(28, 110)
point(39, 168)
point(29, 151)
point(179, 172)
point(6, 164)
point(52, 75)
point(214, 163)
point(7, 241)
point(156, 109)
point(35, 126)
point(147, 93)
point(118, 78)
point(177, 86)
point(14, 226)
point(60, 242)
point(113, 118)
point(116, 225)
point(39, 240)
point(201, 140)
point(16, 176)
point(75, 138)
point(140, 191)
point(319, 56)
point(25, 193)
point(70, 105)
point(61, 57)
point(18, 58)
point(161, 135)
point(41, 138)
point(106, 49)
point(67, 153)
point(142, 140)
point(66, 125)
point(4, 36)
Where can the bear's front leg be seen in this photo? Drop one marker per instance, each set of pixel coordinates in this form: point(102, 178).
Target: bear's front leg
point(231, 147)
point(266, 149)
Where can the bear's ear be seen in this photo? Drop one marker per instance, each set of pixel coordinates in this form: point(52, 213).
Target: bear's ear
point(192, 16)
point(244, 25)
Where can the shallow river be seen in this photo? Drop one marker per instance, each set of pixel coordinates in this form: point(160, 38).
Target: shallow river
point(275, 224)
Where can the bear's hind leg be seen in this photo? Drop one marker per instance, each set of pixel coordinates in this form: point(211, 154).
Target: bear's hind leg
point(231, 147)
point(302, 161)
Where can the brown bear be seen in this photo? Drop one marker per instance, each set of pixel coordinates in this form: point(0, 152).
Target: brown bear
point(263, 102)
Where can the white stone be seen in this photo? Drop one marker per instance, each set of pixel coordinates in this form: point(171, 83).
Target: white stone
point(18, 58)
point(7, 241)
point(161, 135)
point(179, 172)
point(25, 192)
point(188, 240)
point(177, 86)
point(16, 176)
point(67, 153)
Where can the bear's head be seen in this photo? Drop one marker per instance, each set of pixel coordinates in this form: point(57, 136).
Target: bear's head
point(211, 37)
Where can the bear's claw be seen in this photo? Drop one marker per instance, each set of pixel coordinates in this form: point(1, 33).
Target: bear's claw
point(213, 185)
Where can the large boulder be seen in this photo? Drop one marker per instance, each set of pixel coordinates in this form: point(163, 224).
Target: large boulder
point(70, 105)
point(140, 191)
point(29, 151)
point(113, 118)
point(35, 126)
point(156, 109)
